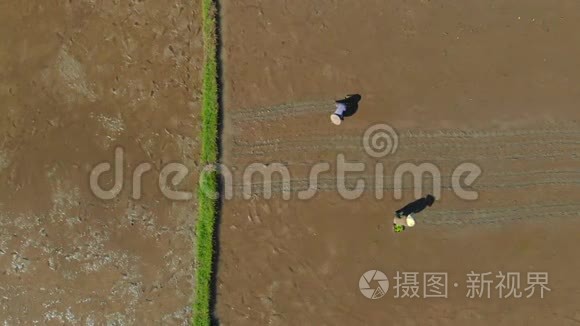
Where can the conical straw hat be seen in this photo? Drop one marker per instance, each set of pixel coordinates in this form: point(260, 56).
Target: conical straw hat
point(335, 119)
point(410, 221)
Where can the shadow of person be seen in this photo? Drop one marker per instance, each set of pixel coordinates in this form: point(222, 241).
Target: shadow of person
point(351, 103)
point(416, 206)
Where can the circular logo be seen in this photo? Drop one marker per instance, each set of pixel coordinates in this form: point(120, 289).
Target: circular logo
point(380, 140)
point(373, 284)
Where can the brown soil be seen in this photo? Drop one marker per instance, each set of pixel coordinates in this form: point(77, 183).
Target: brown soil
point(78, 79)
point(490, 83)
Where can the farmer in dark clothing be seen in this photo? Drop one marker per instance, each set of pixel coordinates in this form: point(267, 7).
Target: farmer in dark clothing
point(403, 218)
point(416, 206)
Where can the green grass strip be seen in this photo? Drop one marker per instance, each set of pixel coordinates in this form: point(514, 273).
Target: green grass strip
point(208, 184)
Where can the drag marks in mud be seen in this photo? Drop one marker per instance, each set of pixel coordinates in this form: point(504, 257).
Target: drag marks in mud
point(498, 152)
point(489, 181)
point(475, 144)
point(502, 215)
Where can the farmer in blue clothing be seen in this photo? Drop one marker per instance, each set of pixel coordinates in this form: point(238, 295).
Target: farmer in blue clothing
point(345, 108)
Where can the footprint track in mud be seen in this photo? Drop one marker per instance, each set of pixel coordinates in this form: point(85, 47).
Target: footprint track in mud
point(530, 154)
point(443, 133)
point(358, 142)
point(410, 152)
point(455, 135)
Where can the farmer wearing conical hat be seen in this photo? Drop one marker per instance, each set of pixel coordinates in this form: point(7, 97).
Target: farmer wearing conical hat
point(345, 108)
point(403, 218)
